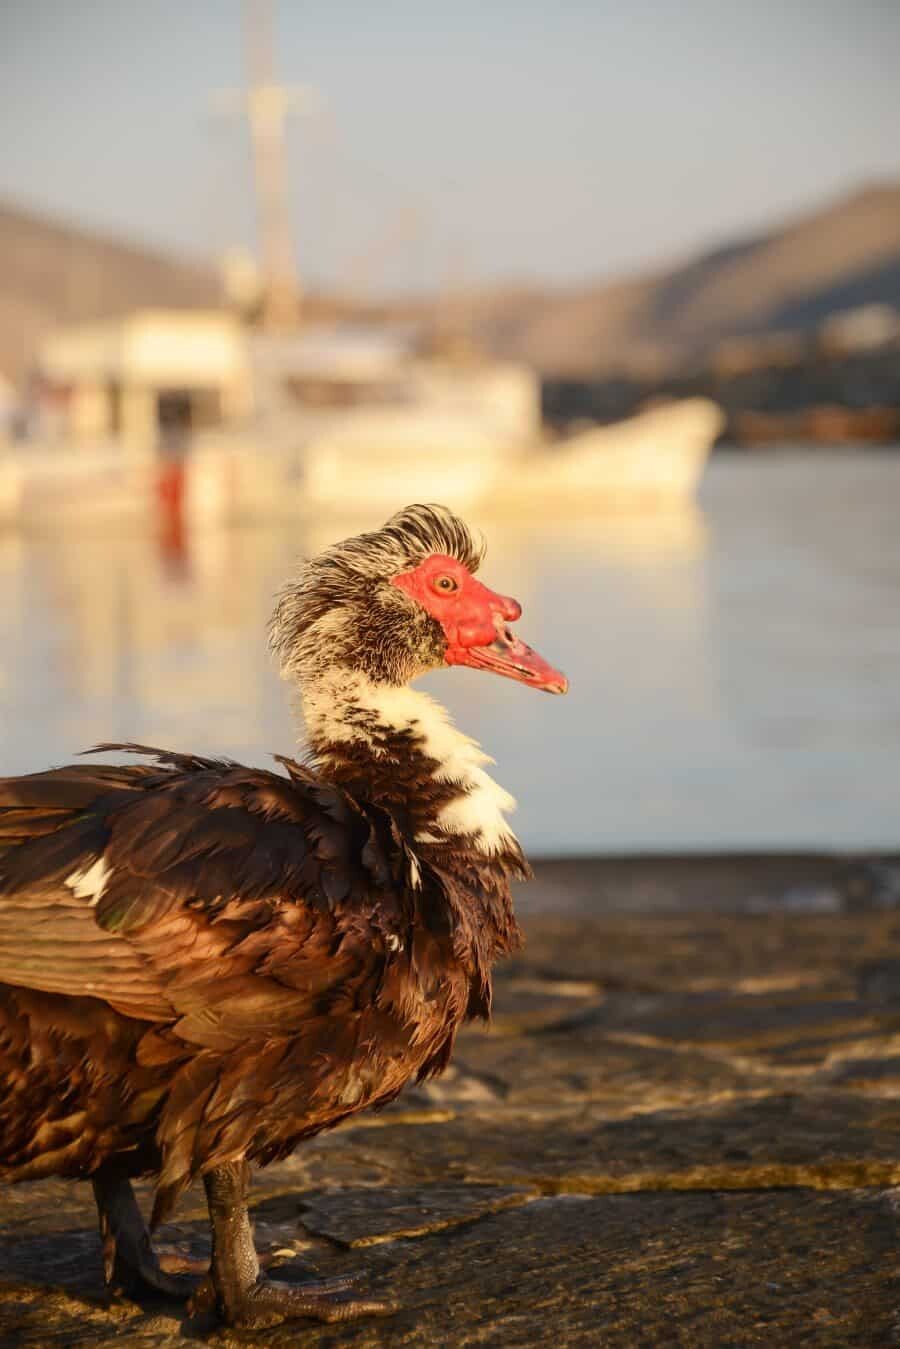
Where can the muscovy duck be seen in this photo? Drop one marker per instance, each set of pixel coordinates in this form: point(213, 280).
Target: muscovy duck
point(202, 964)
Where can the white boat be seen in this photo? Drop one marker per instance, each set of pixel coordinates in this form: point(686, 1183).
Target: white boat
point(374, 461)
point(370, 461)
point(355, 424)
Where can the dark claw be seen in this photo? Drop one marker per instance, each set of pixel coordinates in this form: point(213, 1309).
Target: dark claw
point(173, 1263)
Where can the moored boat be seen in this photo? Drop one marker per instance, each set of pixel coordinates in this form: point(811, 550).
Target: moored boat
point(369, 459)
point(372, 460)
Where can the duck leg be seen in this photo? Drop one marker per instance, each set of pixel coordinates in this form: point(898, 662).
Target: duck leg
point(129, 1260)
point(246, 1297)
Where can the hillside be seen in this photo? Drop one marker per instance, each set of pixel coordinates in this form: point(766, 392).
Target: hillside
point(788, 279)
point(53, 273)
point(649, 326)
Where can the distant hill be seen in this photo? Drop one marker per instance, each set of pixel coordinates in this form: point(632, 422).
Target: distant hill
point(54, 273)
point(788, 279)
point(656, 325)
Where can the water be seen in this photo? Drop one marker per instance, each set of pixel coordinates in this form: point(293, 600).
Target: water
point(735, 668)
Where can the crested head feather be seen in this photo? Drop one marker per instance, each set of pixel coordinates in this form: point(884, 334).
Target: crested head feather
point(414, 533)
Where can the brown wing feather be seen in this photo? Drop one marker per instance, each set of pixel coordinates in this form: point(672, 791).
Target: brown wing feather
point(249, 917)
point(199, 856)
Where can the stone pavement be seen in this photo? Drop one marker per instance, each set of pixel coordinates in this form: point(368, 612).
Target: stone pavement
point(682, 1128)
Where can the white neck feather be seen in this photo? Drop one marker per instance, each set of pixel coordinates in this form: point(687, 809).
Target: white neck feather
point(481, 808)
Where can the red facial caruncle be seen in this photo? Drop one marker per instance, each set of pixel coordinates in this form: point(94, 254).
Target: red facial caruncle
point(475, 622)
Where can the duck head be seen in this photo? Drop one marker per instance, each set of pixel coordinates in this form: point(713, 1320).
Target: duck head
point(400, 601)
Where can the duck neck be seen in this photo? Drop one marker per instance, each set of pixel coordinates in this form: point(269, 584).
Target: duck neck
point(400, 748)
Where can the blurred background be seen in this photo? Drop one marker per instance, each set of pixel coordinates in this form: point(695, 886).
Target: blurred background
point(619, 283)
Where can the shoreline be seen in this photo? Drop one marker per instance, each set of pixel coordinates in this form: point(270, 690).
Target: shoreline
point(728, 882)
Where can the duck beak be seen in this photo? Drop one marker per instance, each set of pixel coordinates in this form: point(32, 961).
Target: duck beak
point(508, 655)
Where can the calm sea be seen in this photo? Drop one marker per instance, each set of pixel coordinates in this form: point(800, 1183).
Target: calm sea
point(735, 668)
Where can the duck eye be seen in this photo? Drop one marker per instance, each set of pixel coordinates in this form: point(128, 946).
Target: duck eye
point(445, 584)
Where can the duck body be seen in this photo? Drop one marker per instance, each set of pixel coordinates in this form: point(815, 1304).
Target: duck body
point(230, 961)
point(202, 964)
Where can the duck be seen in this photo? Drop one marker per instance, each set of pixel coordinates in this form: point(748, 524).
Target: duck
point(203, 964)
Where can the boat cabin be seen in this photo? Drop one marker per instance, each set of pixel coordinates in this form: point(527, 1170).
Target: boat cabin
point(148, 381)
point(357, 370)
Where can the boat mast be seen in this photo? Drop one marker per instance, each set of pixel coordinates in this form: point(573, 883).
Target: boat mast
point(267, 106)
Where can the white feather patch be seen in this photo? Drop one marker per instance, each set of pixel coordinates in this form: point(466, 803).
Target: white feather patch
point(414, 870)
point(91, 882)
point(480, 809)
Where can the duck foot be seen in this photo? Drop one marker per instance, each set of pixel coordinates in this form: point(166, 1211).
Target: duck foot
point(268, 1302)
point(130, 1264)
point(244, 1296)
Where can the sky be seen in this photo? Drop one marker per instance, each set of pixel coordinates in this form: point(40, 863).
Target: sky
point(510, 141)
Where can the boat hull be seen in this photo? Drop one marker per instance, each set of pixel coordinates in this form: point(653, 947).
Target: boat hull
point(371, 466)
point(659, 454)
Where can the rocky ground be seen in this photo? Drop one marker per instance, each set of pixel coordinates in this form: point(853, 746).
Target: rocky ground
point(683, 1128)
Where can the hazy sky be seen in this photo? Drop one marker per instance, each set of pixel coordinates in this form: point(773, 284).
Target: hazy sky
point(503, 140)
